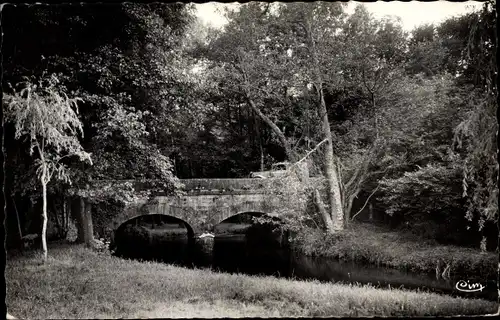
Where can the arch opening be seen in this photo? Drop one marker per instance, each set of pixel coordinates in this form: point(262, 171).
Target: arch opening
point(154, 237)
point(242, 244)
point(158, 221)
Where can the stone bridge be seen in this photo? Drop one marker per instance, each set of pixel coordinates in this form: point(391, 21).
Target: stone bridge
point(205, 203)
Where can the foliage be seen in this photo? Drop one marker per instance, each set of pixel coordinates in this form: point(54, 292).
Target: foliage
point(476, 135)
point(466, 143)
point(126, 75)
point(427, 198)
point(294, 193)
point(44, 115)
point(113, 73)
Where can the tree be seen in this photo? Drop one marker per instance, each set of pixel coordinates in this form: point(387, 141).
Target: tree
point(127, 74)
point(45, 116)
point(246, 59)
point(475, 137)
point(269, 51)
point(316, 31)
point(371, 64)
point(427, 52)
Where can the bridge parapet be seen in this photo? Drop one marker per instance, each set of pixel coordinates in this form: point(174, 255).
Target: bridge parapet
point(222, 184)
point(196, 184)
point(236, 185)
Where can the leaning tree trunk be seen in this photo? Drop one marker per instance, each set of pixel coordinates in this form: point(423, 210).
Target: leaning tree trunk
point(325, 216)
point(267, 120)
point(19, 229)
point(274, 127)
point(333, 188)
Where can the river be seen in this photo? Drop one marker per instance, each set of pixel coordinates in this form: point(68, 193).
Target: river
point(258, 251)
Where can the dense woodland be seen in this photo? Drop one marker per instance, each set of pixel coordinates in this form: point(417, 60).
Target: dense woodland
point(146, 91)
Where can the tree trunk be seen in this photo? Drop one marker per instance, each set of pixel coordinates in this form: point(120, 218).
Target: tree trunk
point(88, 227)
point(239, 121)
point(261, 155)
point(77, 207)
point(55, 212)
point(350, 202)
point(191, 169)
point(65, 217)
point(336, 210)
point(19, 229)
point(376, 116)
point(44, 213)
point(333, 187)
point(327, 220)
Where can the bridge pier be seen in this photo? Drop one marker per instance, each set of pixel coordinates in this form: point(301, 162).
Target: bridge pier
point(205, 243)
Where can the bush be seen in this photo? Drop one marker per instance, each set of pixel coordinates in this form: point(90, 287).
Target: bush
point(429, 203)
point(296, 210)
point(101, 245)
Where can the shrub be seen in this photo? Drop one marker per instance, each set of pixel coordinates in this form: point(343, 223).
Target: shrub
point(297, 211)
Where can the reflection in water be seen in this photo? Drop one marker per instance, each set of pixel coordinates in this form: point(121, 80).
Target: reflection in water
point(154, 238)
point(238, 253)
point(257, 249)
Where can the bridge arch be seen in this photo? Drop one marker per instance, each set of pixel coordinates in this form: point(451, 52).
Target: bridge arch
point(119, 226)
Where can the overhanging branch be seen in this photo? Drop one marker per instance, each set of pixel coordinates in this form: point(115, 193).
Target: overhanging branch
point(307, 155)
point(366, 202)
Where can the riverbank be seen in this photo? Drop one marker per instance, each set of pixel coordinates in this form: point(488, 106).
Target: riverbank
point(80, 283)
point(370, 244)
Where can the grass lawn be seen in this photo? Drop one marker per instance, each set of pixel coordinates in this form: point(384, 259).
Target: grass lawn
point(376, 245)
point(79, 283)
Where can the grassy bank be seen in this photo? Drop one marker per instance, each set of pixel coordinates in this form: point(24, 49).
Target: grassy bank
point(79, 283)
point(375, 245)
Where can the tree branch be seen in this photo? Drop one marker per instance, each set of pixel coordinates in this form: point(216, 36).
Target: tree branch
point(363, 166)
point(364, 81)
point(354, 176)
point(65, 156)
point(300, 139)
point(314, 149)
point(271, 124)
point(43, 145)
point(265, 118)
point(50, 173)
point(366, 202)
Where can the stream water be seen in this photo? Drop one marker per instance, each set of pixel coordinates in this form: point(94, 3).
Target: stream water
point(256, 251)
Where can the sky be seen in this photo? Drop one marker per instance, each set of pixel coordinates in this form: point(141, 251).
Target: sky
point(412, 13)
